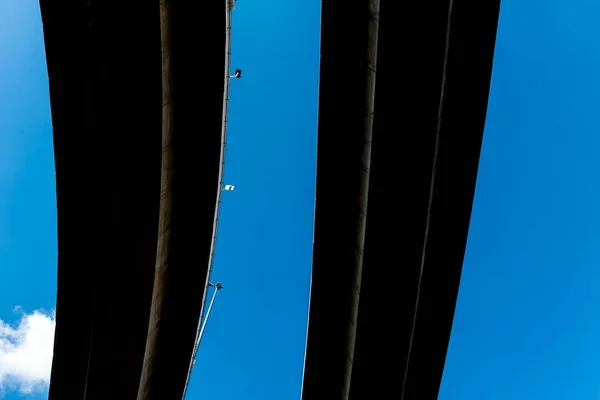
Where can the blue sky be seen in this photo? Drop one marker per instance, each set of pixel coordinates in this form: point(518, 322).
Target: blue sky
point(27, 193)
point(526, 324)
point(253, 348)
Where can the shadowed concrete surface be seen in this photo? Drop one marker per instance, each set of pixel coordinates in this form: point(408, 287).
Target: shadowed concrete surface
point(402, 104)
point(104, 67)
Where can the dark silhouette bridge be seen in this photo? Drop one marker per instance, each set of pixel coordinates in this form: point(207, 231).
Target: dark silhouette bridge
point(137, 93)
point(402, 105)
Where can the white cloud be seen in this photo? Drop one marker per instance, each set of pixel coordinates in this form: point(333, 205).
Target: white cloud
point(26, 352)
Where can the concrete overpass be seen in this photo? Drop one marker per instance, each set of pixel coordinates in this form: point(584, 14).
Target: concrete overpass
point(133, 135)
point(138, 147)
point(402, 105)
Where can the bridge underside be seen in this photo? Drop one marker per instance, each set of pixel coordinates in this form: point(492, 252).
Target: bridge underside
point(104, 66)
point(395, 185)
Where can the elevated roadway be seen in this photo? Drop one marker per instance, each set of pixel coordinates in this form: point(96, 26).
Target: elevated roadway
point(402, 104)
point(110, 121)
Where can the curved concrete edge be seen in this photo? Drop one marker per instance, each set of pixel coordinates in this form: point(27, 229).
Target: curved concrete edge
point(166, 205)
point(159, 309)
point(361, 217)
point(228, 9)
